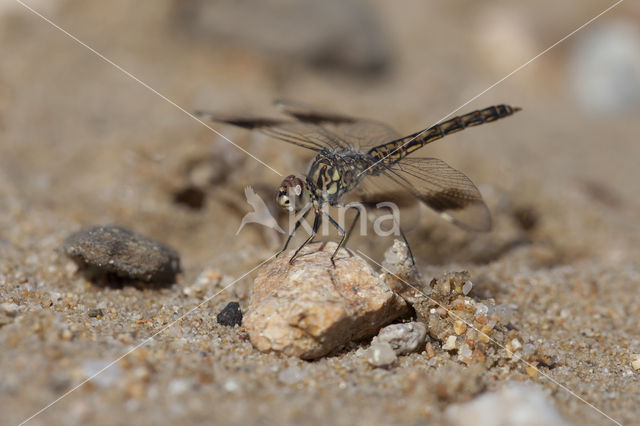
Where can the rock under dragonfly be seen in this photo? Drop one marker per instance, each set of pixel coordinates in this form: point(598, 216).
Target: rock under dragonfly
point(311, 307)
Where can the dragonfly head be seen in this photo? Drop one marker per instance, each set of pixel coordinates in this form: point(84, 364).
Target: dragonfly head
point(293, 193)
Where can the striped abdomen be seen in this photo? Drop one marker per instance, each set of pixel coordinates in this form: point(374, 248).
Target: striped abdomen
point(400, 148)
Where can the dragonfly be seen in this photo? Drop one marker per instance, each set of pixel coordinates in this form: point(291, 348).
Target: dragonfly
point(353, 153)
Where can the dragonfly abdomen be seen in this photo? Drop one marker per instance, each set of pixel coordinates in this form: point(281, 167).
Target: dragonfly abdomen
point(396, 150)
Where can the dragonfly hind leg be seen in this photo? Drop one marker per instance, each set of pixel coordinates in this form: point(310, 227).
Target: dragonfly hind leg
point(345, 235)
point(413, 260)
point(342, 234)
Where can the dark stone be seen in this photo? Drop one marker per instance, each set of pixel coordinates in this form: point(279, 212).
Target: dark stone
point(93, 313)
point(118, 255)
point(527, 217)
point(191, 197)
point(231, 315)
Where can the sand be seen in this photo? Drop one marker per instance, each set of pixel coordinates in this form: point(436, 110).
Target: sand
point(82, 144)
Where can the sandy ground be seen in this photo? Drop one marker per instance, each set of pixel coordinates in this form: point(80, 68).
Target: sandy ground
point(82, 144)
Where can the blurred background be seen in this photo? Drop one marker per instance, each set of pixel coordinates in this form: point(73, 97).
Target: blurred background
point(83, 144)
point(80, 143)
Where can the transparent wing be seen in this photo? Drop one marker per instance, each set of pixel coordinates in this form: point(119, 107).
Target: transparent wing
point(358, 133)
point(438, 185)
point(313, 128)
point(306, 135)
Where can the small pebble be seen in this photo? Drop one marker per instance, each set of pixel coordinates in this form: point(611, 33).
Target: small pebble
point(459, 327)
point(231, 385)
point(207, 280)
point(102, 372)
point(231, 315)
point(10, 309)
point(403, 338)
point(380, 355)
point(635, 361)
point(179, 386)
point(514, 404)
point(93, 313)
point(450, 343)
point(515, 344)
point(431, 352)
point(291, 375)
point(481, 309)
point(465, 353)
point(114, 251)
point(466, 288)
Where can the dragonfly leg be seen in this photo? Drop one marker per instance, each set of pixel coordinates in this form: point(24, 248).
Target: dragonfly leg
point(345, 236)
point(295, 228)
point(316, 225)
point(413, 260)
point(342, 234)
point(353, 225)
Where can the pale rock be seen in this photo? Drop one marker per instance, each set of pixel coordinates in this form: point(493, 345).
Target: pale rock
point(450, 343)
point(179, 386)
point(293, 374)
point(10, 309)
point(635, 361)
point(399, 273)
point(380, 354)
point(311, 307)
point(514, 404)
point(101, 372)
point(403, 338)
point(465, 353)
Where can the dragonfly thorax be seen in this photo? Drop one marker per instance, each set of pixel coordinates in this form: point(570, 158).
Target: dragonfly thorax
point(333, 174)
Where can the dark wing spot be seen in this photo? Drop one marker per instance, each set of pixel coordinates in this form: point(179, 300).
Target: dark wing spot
point(449, 199)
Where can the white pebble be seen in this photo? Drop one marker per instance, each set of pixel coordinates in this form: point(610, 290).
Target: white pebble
point(465, 352)
point(515, 344)
point(514, 404)
point(11, 309)
point(291, 375)
point(179, 386)
point(466, 288)
point(94, 367)
point(481, 309)
point(231, 386)
point(403, 338)
point(450, 344)
point(381, 355)
point(635, 361)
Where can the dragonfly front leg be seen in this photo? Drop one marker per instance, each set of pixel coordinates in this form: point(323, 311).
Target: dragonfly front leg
point(295, 228)
point(316, 225)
